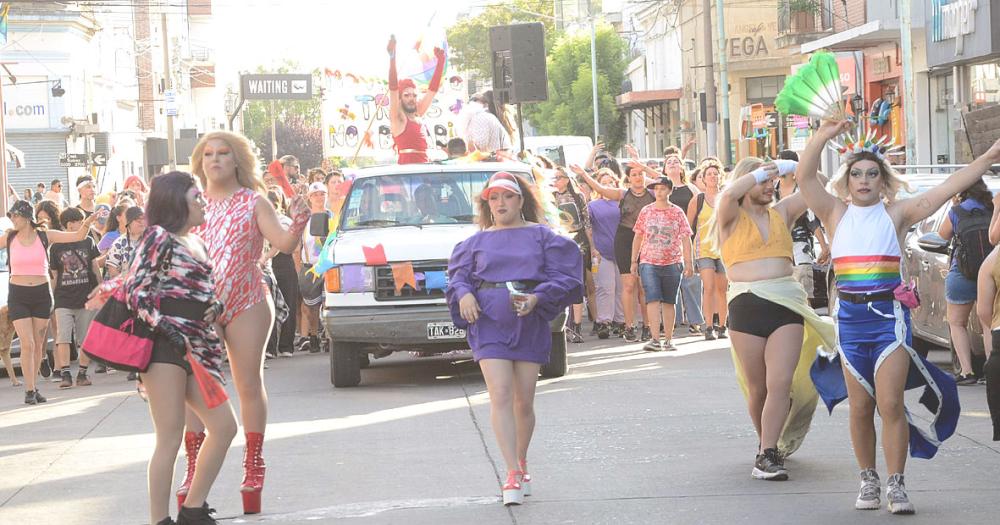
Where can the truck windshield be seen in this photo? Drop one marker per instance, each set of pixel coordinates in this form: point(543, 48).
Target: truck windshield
point(417, 199)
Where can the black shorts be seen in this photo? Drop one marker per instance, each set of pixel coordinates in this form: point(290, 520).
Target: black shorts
point(163, 350)
point(753, 315)
point(623, 249)
point(29, 301)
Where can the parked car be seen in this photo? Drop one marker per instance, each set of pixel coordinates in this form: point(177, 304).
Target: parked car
point(927, 258)
point(416, 213)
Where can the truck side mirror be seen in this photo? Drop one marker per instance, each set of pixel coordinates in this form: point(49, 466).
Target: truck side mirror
point(319, 225)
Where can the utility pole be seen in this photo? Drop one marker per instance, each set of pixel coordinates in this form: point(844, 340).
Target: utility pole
point(909, 104)
point(3, 145)
point(168, 86)
point(274, 135)
point(593, 69)
point(727, 155)
point(711, 114)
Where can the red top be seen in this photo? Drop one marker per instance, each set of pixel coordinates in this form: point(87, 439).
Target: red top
point(411, 144)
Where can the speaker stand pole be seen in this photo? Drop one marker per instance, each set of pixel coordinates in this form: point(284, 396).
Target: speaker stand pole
point(520, 128)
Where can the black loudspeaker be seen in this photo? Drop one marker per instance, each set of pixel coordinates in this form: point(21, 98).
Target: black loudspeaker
point(518, 53)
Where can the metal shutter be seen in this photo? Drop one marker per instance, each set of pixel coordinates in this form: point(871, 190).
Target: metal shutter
point(41, 160)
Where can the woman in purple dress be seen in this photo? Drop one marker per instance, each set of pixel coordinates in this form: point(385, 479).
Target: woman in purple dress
point(506, 284)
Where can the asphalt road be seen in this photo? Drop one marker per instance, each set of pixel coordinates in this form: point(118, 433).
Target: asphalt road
point(625, 437)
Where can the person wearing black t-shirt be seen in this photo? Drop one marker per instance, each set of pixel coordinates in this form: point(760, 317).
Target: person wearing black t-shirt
point(76, 271)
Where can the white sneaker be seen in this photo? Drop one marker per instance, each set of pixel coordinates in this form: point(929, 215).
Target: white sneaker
point(895, 492)
point(869, 497)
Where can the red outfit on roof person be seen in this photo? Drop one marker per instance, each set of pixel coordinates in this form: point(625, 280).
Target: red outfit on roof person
point(404, 108)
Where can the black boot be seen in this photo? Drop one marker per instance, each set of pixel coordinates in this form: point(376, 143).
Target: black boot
point(166, 521)
point(197, 516)
point(314, 345)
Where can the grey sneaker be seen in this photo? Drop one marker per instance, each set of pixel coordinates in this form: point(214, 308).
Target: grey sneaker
point(895, 492)
point(870, 496)
point(770, 466)
point(668, 346)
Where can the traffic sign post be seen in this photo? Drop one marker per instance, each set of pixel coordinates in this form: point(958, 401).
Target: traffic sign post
point(98, 159)
point(74, 160)
point(170, 102)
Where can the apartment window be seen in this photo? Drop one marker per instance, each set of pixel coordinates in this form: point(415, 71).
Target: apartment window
point(762, 90)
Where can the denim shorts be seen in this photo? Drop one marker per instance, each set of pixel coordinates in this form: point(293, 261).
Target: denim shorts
point(958, 289)
point(660, 282)
point(708, 263)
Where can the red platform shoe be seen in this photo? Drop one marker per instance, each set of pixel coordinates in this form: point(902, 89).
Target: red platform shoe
point(525, 477)
point(192, 444)
point(253, 473)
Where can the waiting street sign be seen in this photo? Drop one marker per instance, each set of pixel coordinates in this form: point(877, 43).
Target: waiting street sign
point(73, 160)
point(276, 87)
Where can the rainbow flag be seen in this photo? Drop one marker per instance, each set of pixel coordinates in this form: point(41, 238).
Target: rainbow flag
point(4, 11)
point(866, 273)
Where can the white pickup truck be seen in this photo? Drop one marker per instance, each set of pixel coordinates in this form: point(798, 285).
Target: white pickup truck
point(417, 213)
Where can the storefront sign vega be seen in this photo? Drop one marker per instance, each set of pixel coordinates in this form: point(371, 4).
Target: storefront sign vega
point(953, 19)
point(752, 40)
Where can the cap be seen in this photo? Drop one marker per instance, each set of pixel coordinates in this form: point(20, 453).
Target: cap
point(22, 208)
point(316, 187)
point(132, 214)
point(501, 180)
point(662, 180)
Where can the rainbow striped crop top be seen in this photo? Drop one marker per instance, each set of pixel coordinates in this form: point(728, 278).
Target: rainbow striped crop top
point(865, 251)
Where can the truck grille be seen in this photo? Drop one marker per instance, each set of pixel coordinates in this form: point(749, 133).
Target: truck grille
point(385, 287)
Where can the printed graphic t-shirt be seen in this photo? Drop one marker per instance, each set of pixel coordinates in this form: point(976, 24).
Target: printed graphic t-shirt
point(75, 278)
point(663, 229)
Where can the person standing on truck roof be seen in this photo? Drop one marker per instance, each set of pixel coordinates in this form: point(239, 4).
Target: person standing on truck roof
point(405, 108)
point(506, 284)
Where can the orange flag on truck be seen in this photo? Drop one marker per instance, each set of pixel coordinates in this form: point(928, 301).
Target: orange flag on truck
point(402, 275)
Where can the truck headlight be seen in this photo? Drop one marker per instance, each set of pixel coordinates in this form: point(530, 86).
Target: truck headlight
point(353, 278)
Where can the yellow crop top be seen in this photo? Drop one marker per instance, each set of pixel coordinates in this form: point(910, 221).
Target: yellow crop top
point(746, 243)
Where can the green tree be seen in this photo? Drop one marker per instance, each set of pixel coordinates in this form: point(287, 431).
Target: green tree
point(569, 109)
point(306, 114)
point(469, 38)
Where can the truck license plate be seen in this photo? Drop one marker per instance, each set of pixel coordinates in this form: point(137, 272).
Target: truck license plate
point(444, 331)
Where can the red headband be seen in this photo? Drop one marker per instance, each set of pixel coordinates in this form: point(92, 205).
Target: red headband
point(406, 83)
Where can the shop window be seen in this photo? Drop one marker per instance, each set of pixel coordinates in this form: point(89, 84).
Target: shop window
point(985, 85)
point(762, 90)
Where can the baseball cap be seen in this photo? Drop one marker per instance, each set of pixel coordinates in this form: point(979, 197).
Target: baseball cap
point(316, 187)
point(652, 183)
point(22, 208)
point(501, 180)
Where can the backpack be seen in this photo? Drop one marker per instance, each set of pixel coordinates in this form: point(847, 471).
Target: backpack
point(41, 235)
point(972, 242)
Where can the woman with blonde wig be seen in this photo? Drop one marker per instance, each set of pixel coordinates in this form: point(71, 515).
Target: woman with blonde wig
point(238, 219)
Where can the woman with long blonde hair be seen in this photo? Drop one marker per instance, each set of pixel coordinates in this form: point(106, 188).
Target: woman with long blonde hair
point(238, 219)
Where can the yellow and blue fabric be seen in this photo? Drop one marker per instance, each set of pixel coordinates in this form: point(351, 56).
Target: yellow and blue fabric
point(817, 338)
point(867, 333)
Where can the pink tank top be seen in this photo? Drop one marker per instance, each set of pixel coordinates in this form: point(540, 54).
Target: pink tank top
point(235, 244)
point(28, 260)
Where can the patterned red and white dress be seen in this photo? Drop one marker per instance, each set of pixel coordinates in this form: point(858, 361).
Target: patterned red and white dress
point(235, 244)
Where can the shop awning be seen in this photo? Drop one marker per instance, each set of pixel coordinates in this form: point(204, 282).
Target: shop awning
point(640, 99)
point(860, 37)
point(14, 155)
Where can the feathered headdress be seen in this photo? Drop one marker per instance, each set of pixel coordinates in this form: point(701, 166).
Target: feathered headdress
point(814, 90)
point(865, 138)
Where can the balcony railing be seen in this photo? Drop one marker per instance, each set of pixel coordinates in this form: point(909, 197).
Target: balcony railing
point(804, 16)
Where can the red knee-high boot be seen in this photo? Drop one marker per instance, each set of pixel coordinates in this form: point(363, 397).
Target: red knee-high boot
point(253, 473)
point(192, 444)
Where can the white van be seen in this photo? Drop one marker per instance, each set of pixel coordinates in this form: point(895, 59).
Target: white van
point(564, 150)
point(417, 213)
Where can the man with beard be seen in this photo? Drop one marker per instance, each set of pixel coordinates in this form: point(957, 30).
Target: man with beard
point(405, 108)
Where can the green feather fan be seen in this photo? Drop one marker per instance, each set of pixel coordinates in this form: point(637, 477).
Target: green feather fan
point(814, 90)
